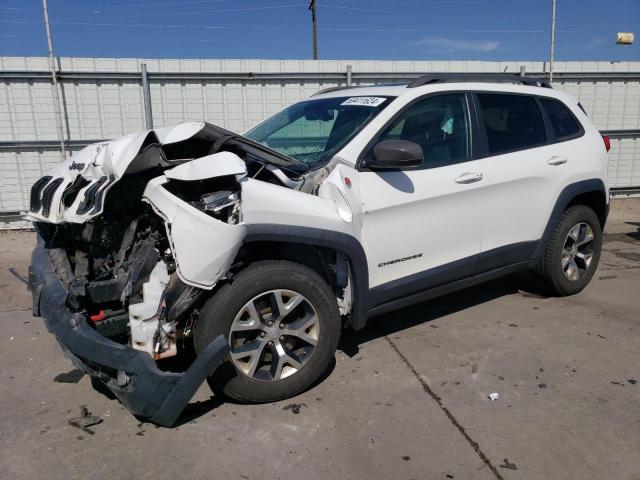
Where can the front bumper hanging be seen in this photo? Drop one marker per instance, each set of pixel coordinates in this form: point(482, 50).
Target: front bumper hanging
point(141, 386)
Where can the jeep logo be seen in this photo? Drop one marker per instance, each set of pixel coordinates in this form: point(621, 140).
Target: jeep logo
point(76, 166)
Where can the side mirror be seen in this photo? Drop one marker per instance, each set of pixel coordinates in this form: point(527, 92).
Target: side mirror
point(395, 154)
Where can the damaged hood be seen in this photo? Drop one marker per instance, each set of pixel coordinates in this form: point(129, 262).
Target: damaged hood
point(74, 191)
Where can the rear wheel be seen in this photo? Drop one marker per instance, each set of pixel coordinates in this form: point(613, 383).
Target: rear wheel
point(282, 323)
point(572, 253)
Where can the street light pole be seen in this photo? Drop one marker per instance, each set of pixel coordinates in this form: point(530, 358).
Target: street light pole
point(312, 7)
point(54, 78)
point(553, 38)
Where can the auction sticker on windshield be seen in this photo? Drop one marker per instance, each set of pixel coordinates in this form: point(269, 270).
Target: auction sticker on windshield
point(364, 101)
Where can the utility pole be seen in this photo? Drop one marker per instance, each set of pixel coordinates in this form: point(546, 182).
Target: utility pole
point(54, 78)
point(312, 7)
point(553, 38)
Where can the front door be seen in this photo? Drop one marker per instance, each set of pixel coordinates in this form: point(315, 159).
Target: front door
point(422, 228)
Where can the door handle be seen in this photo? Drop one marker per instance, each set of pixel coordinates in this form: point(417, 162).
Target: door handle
point(557, 160)
point(469, 177)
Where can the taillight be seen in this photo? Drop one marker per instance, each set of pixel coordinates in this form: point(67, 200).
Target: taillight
point(607, 142)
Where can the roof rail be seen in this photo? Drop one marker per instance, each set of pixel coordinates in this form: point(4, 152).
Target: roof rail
point(477, 77)
point(333, 89)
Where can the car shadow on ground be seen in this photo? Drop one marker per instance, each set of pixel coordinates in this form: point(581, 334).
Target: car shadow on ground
point(436, 308)
point(378, 327)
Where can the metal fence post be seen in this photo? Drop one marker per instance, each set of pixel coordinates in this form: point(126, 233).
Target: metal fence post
point(146, 95)
point(54, 79)
point(348, 75)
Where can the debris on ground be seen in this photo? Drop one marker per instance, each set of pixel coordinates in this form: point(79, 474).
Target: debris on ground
point(474, 368)
point(494, 396)
point(19, 276)
point(632, 381)
point(601, 336)
point(542, 385)
point(72, 376)
point(513, 324)
point(294, 407)
point(85, 420)
point(607, 277)
point(406, 458)
point(509, 465)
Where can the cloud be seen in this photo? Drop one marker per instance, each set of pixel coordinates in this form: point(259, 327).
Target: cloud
point(450, 45)
point(596, 42)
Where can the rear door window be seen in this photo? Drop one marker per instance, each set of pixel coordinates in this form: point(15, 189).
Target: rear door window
point(562, 120)
point(512, 122)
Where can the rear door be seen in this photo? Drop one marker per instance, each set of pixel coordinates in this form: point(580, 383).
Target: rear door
point(526, 167)
point(423, 227)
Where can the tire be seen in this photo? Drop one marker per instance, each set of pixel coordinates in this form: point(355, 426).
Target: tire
point(556, 269)
point(280, 372)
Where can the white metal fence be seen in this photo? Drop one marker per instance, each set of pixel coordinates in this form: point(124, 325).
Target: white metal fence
point(102, 98)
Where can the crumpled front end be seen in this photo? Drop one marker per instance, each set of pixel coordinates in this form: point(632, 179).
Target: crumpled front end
point(76, 189)
point(132, 375)
point(135, 234)
point(106, 279)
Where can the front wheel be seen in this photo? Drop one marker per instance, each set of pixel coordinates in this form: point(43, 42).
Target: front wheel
point(282, 323)
point(572, 253)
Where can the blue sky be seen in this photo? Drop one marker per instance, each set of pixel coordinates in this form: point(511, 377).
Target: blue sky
point(353, 29)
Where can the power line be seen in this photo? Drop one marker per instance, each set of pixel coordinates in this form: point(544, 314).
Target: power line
point(123, 6)
point(326, 29)
point(212, 12)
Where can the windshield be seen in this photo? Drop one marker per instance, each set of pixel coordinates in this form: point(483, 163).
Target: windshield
point(314, 130)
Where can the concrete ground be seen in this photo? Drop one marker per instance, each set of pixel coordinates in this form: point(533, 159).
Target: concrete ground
point(407, 398)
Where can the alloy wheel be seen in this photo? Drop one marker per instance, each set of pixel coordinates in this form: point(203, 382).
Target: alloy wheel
point(274, 335)
point(577, 251)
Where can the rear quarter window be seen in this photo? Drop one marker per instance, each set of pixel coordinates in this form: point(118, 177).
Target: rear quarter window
point(512, 122)
point(564, 124)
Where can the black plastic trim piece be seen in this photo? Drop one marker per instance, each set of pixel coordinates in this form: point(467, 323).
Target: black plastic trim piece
point(505, 256)
point(47, 195)
point(71, 191)
point(441, 290)
point(342, 242)
point(150, 392)
point(35, 200)
point(564, 199)
point(451, 272)
point(421, 281)
point(89, 201)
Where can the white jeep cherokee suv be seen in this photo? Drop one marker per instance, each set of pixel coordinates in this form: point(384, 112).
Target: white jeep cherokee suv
point(246, 255)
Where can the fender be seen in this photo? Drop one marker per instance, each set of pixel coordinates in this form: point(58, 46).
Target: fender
point(343, 242)
point(569, 192)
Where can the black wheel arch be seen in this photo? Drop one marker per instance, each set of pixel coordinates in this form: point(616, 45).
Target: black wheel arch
point(312, 247)
point(591, 193)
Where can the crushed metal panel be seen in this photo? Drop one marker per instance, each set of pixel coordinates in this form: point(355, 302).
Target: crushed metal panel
point(215, 165)
point(202, 246)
